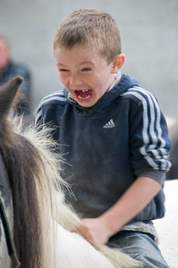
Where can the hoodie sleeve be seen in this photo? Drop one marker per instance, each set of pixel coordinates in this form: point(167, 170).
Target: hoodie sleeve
point(150, 144)
point(48, 110)
point(39, 116)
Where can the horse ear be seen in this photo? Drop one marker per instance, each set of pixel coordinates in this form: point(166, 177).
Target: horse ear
point(7, 94)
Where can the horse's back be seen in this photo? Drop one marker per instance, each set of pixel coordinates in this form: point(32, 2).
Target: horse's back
point(73, 251)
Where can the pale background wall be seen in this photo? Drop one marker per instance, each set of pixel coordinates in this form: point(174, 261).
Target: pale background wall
point(150, 41)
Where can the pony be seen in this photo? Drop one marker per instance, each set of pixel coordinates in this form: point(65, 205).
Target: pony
point(38, 223)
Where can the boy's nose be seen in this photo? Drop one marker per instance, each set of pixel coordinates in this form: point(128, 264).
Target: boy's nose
point(74, 81)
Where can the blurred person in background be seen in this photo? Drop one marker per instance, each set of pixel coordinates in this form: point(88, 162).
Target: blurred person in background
point(8, 69)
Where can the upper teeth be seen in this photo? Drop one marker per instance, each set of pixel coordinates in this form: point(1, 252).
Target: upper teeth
point(83, 90)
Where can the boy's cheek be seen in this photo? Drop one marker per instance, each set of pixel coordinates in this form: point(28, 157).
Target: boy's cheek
point(63, 79)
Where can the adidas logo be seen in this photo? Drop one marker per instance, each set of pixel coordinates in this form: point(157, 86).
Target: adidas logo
point(109, 124)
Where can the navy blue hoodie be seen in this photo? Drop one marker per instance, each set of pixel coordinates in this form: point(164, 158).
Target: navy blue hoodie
point(107, 146)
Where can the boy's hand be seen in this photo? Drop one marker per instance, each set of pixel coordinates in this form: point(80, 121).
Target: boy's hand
point(95, 231)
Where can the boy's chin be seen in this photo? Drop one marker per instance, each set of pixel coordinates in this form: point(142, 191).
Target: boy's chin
point(86, 103)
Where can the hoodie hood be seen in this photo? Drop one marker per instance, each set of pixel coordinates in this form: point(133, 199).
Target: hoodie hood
point(121, 87)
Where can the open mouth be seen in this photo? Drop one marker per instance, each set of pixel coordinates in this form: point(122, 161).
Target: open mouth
point(83, 94)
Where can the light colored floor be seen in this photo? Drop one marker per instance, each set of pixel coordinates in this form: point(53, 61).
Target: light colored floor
point(168, 226)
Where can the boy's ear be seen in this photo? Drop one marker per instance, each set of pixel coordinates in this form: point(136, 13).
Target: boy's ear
point(118, 62)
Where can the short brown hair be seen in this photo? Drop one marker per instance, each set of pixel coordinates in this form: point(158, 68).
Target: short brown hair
point(93, 27)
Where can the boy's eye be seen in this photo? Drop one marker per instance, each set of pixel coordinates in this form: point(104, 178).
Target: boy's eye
point(63, 70)
point(86, 69)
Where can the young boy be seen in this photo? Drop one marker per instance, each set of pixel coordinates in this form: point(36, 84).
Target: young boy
point(112, 136)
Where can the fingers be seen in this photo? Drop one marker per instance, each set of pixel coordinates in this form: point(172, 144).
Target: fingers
point(94, 231)
point(84, 232)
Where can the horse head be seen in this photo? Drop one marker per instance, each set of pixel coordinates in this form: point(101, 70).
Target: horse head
point(21, 173)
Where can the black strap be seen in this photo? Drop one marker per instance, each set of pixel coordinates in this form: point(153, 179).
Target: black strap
point(15, 263)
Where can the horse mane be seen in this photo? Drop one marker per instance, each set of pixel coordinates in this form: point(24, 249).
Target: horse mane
point(27, 175)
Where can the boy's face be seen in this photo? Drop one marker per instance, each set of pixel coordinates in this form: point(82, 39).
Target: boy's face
point(84, 73)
